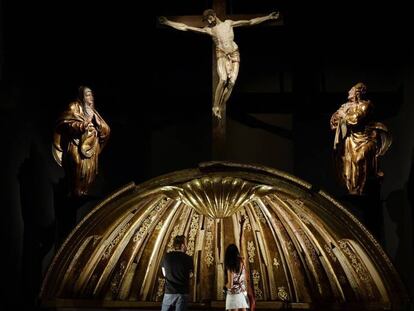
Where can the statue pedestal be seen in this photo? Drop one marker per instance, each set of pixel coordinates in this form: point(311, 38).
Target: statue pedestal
point(69, 210)
point(368, 209)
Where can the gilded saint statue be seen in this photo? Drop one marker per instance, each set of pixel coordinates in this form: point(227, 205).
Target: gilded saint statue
point(359, 142)
point(80, 135)
point(227, 51)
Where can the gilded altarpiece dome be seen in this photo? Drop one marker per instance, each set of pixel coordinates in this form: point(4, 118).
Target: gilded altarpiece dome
point(303, 248)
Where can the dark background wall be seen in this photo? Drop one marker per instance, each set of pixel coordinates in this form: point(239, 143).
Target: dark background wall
point(153, 86)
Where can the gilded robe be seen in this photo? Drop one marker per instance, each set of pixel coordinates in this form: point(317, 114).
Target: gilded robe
point(80, 136)
point(358, 144)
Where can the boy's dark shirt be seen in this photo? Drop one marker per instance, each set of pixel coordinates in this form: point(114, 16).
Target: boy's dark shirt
point(178, 266)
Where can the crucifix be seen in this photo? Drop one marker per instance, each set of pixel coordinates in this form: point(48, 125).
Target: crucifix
point(226, 61)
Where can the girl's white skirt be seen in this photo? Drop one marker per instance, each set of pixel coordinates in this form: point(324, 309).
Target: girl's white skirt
point(236, 301)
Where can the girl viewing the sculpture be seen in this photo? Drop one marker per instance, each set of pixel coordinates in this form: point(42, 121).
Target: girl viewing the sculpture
point(238, 291)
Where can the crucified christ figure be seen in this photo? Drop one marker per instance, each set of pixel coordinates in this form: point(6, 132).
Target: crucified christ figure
point(227, 51)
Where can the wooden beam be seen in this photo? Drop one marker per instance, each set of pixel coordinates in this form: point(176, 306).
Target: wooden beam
point(197, 20)
point(219, 6)
point(219, 124)
point(190, 20)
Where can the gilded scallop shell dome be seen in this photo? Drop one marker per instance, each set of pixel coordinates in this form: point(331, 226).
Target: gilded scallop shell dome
point(302, 247)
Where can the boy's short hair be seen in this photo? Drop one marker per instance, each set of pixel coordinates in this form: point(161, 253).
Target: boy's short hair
point(178, 241)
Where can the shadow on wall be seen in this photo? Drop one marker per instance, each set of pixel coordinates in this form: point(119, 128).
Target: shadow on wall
point(39, 226)
point(400, 204)
point(48, 217)
point(410, 192)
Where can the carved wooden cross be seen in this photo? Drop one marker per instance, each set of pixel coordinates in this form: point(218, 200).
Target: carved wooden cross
point(218, 124)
